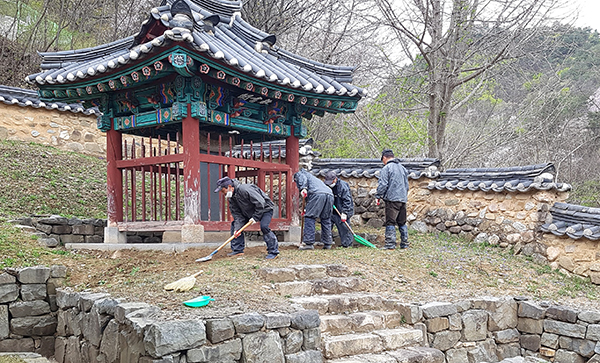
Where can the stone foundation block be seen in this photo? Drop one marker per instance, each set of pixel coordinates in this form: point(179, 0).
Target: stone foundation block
point(112, 235)
point(171, 237)
point(530, 342)
point(34, 326)
point(31, 292)
point(293, 341)
point(191, 233)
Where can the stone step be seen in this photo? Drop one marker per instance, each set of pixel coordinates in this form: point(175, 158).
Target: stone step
point(342, 303)
point(332, 285)
point(407, 355)
point(303, 272)
point(361, 322)
point(339, 346)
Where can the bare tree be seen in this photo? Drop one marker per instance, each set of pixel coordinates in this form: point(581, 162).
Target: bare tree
point(460, 41)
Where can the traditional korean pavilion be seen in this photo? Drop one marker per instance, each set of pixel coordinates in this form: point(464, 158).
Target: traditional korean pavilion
point(196, 82)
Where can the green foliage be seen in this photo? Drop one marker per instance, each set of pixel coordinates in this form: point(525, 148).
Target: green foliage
point(586, 193)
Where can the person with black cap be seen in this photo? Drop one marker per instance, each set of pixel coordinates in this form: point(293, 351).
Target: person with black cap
point(393, 189)
point(342, 200)
point(319, 204)
point(248, 203)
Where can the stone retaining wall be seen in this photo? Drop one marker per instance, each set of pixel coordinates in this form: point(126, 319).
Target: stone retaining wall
point(64, 130)
point(28, 309)
point(581, 256)
point(493, 329)
point(53, 231)
point(92, 327)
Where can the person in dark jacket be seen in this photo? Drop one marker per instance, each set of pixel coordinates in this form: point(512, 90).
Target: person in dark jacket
point(342, 200)
point(319, 204)
point(393, 189)
point(248, 203)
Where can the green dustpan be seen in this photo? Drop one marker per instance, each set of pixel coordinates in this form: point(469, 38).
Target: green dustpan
point(357, 238)
point(198, 301)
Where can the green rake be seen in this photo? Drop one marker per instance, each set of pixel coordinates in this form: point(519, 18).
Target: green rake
point(357, 238)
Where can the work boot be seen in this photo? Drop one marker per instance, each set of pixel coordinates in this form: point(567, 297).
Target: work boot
point(326, 247)
point(403, 236)
point(390, 238)
point(388, 247)
point(233, 253)
point(271, 256)
point(306, 247)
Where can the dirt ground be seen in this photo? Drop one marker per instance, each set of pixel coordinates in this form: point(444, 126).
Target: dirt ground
point(435, 268)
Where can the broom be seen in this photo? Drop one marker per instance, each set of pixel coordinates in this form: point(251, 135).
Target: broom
point(184, 284)
point(357, 238)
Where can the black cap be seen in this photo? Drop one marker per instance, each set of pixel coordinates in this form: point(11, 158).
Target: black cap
point(330, 177)
point(223, 183)
point(387, 153)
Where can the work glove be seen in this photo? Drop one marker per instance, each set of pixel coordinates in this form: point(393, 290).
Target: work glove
point(252, 221)
point(344, 217)
point(303, 193)
point(236, 234)
point(378, 201)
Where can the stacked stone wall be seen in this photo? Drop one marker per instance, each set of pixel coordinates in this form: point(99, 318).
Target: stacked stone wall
point(56, 231)
point(28, 309)
point(73, 326)
point(64, 130)
point(498, 218)
point(581, 256)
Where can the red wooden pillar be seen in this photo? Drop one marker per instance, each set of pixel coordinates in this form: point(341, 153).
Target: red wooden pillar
point(292, 158)
point(191, 169)
point(114, 177)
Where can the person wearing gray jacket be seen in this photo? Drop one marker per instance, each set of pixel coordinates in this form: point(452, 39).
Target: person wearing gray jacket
point(393, 189)
point(248, 203)
point(342, 201)
point(319, 204)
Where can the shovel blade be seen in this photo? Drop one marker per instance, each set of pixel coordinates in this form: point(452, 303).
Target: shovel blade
point(204, 259)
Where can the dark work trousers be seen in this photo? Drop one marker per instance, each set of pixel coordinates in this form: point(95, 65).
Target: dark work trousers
point(318, 205)
point(344, 232)
point(395, 215)
point(238, 244)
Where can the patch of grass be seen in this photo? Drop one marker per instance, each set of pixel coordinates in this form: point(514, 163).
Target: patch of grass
point(11, 359)
point(39, 179)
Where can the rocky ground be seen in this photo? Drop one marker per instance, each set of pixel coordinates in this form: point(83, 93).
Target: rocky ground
point(434, 268)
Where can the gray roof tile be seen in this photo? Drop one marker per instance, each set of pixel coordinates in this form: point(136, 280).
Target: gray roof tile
point(231, 40)
point(369, 168)
point(29, 98)
point(574, 221)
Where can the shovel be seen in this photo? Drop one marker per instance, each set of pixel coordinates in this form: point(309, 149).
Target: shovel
point(357, 238)
point(209, 257)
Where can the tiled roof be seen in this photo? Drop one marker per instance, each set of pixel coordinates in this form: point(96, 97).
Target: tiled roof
point(29, 98)
point(575, 221)
point(369, 168)
point(213, 28)
point(274, 147)
point(513, 179)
